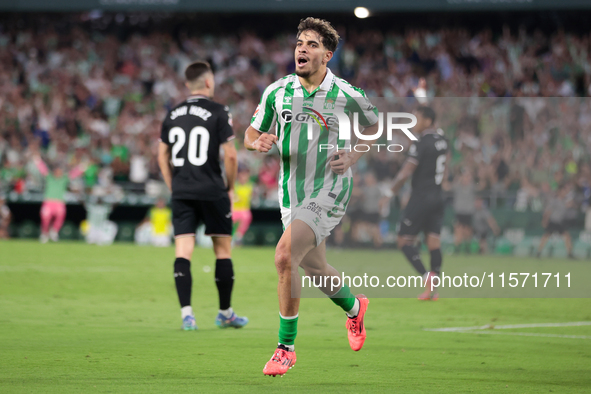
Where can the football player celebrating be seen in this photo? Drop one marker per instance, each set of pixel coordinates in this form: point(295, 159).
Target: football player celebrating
point(314, 186)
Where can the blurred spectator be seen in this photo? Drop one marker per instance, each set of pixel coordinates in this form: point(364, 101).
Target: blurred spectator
point(138, 166)
point(554, 220)
point(482, 223)
point(53, 210)
point(241, 208)
point(100, 230)
point(372, 200)
point(156, 228)
point(464, 197)
point(5, 218)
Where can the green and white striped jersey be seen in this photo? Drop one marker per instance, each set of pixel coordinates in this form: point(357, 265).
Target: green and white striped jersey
point(308, 134)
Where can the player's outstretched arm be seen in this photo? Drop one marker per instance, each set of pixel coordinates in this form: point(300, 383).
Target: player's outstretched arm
point(164, 164)
point(255, 140)
point(493, 224)
point(407, 170)
point(41, 166)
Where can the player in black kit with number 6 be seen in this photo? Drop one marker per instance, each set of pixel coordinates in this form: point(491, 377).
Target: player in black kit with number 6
point(424, 211)
point(188, 155)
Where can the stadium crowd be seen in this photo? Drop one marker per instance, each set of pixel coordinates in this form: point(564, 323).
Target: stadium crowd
point(79, 93)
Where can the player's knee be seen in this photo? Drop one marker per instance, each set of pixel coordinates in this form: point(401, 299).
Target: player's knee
point(433, 243)
point(184, 254)
point(222, 247)
point(282, 259)
point(184, 247)
point(402, 241)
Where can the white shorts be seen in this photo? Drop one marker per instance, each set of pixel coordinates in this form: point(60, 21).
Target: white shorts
point(321, 213)
point(160, 240)
point(103, 234)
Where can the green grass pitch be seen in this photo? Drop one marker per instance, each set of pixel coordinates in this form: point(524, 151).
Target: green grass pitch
point(89, 319)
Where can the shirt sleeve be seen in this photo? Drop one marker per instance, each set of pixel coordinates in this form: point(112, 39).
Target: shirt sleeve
point(225, 125)
point(164, 132)
point(264, 117)
point(360, 104)
point(415, 152)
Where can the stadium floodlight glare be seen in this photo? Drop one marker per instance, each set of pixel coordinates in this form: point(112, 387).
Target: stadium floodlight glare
point(361, 12)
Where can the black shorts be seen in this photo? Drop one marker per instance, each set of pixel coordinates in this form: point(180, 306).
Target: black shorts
point(553, 228)
point(187, 215)
point(465, 219)
point(355, 215)
point(425, 214)
point(481, 235)
point(372, 218)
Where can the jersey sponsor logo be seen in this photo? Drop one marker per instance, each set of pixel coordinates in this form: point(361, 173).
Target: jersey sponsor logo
point(317, 116)
point(322, 119)
point(387, 122)
point(287, 100)
point(256, 111)
point(286, 115)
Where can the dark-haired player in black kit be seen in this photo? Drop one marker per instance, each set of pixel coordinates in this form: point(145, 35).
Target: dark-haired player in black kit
point(188, 155)
point(426, 163)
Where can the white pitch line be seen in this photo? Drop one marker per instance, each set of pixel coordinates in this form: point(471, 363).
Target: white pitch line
point(527, 334)
point(509, 326)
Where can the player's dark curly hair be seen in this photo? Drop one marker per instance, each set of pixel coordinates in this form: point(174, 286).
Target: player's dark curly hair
point(329, 36)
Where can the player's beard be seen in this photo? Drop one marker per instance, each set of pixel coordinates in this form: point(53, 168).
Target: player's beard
point(303, 73)
point(307, 73)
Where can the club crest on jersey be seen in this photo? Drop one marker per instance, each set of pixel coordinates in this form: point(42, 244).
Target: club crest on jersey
point(329, 104)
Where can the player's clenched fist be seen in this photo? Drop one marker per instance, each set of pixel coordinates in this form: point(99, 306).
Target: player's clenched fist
point(265, 142)
point(341, 161)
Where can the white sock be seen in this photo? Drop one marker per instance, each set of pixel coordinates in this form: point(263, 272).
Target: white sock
point(290, 348)
point(186, 311)
point(355, 310)
point(227, 313)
